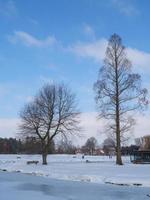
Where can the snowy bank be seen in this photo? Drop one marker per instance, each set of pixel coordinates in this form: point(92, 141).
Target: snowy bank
point(100, 169)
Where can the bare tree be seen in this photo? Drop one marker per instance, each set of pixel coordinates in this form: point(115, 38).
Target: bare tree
point(118, 92)
point(52, 112)
point(109, 142)
point(66, 146)
point(109, 146)
point(90, 145)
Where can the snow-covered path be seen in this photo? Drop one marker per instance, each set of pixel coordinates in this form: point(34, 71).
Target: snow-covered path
point(16, 186)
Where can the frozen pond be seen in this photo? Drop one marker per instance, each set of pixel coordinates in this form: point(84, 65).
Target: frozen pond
point(17, 186)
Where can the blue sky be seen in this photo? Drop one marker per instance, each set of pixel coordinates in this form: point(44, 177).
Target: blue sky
point(53, 40)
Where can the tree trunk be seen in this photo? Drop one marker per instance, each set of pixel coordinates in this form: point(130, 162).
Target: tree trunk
point(118, 149)
point(44, 158)
point(118, 139)
point(44, 153)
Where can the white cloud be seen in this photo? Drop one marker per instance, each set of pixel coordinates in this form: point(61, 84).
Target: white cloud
point(91, 127)
point(125, 7)
point(24, 99)
point(142, 126)
point(95, 50)
point(29, 40)
point(140, 59)
point(8, 127)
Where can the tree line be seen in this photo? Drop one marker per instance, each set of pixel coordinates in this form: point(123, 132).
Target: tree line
point(33, 146)
point(17, 146)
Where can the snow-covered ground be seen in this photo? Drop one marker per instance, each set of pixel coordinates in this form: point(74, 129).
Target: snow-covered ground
point(98, 169)
point(15, 186)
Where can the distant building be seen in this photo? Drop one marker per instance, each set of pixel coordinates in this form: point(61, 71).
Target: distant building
point(139, 157)
point(98, 152)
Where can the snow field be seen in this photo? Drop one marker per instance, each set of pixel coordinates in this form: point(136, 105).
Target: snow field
point(98, 169)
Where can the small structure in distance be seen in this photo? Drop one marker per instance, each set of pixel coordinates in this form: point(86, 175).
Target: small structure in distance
point(140, 157)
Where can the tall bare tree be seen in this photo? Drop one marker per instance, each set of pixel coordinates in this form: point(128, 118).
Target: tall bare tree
point(52, 112)
point(118, 92)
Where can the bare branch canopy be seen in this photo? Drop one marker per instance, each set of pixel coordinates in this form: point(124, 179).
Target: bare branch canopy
point(52, 112)
point(118, 91)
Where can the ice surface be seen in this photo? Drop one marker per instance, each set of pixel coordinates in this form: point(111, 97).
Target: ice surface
point(17, 186)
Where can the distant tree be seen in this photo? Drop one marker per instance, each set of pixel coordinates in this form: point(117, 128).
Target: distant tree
point(10, 146)
point(118, 92)
point(52, 112)
point(66, 146)
point(109, 145)
point(32, 145)
point(109, 142)
point(129, 150)
point(90, 145)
